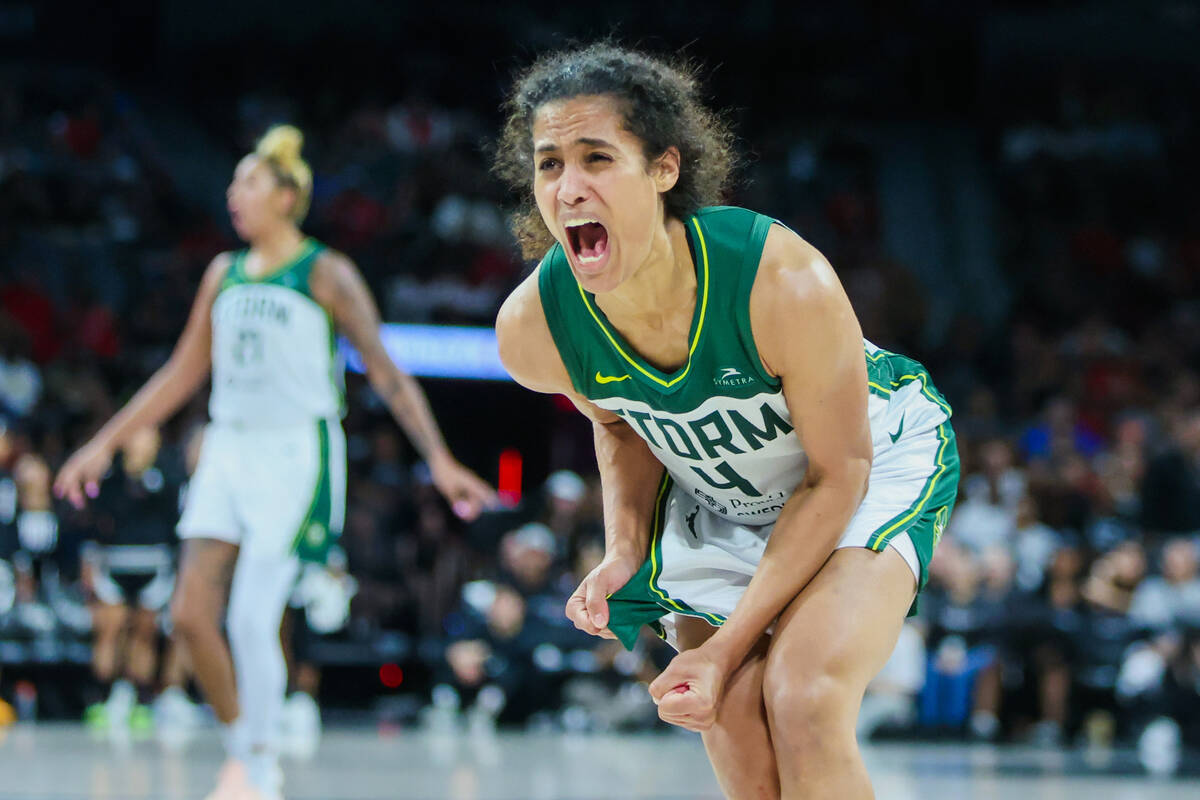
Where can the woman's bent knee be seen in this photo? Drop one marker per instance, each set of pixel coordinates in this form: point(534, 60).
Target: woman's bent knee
point(806, 707)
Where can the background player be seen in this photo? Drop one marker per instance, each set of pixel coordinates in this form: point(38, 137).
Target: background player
point(269, 490)
point(807, 480)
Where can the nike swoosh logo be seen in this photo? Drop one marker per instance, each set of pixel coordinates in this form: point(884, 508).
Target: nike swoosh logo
point(602, 379)
point(899, 430)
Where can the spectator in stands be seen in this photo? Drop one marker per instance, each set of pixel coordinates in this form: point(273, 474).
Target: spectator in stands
point(1171, 492)
point(1102, 641)
point(434, 562)
point(20, 379)
point(1048, 632)
point(1172, 599)
point(565, 509)
point(1059, 432)
point(130, 575)
point(527, 559)
point(1183, 686)
point(39, 556)
point(963, 620)
point(1159, 686)
point(987, 515)
point(384, 599)
point(997, 474)
point(1033, 545)
point(1122, 469)
point(490, 660)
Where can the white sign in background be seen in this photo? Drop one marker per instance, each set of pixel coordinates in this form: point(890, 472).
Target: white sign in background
point(436, 351)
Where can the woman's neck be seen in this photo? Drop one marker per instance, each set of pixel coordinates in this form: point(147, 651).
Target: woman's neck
point(275, 247)
point(665, 281)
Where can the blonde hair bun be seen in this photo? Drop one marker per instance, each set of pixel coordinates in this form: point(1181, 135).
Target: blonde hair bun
point(280, 148)
point(282, 144)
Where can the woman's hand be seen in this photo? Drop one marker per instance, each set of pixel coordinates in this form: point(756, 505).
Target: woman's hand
point(688, 692)
point(80, 477)
point(588, 605)
point(467, 493)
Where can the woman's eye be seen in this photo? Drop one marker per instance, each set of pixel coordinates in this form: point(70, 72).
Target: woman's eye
point(597, 157)
point(547, 163)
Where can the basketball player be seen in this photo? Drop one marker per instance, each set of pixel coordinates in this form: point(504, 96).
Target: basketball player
point(774, 484)
point(269, 490)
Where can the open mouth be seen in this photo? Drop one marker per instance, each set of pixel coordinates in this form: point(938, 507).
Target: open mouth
point(589, 240)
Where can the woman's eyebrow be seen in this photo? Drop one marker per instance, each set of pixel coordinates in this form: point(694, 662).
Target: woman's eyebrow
point(584, 140)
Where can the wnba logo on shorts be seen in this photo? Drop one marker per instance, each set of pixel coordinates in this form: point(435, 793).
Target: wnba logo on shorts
point(315, 534)
point(939, 524)
point(716, 504)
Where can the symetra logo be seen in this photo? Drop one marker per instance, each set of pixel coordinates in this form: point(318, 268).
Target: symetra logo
point(603, 379)
point(731, 376)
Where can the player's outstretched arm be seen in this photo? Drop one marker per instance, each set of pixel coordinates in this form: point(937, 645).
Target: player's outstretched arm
point(337, 285)
point(629, 472)
point(168, 389)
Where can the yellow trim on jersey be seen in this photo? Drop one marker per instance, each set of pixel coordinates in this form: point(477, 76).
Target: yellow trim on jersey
point(699, 325)
point(904, 380)
point(657, 531)
point(882, 535)
point(659, 524)
point(306, 249)
point(923, 377)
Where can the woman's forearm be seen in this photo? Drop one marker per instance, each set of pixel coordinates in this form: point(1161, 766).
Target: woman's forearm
point(172, 385)
point(630, 476)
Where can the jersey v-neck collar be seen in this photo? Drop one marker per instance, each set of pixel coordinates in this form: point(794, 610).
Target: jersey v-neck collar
point(641, 369)
point(306, 249)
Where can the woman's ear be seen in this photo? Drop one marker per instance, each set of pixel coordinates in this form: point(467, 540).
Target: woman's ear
point(665, 169)
point(286, 200)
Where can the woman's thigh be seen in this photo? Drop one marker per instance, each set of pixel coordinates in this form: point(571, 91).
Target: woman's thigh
point(838, 633)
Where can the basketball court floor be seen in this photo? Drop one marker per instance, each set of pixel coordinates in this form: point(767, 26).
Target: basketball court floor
point(64, 763)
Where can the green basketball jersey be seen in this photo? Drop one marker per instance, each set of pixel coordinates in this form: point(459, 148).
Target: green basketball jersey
point(273, 347)
point(719, 423)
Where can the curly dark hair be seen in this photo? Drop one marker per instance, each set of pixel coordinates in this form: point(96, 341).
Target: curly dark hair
point(660, 104)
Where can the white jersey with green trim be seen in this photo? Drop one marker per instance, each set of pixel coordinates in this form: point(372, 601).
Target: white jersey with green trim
point(274, 358)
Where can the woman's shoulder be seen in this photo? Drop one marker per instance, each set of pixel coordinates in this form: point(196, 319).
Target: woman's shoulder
point(791, 264)
point(730, 212)
point(218, 270)
point(527, 348)
point(796, 297)
point(735, 216)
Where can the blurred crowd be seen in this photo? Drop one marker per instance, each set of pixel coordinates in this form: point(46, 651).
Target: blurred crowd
point(1064, 603)
point(1064, 600)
